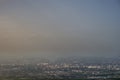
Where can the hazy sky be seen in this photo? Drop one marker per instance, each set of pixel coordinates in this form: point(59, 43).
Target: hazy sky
point(59, 27)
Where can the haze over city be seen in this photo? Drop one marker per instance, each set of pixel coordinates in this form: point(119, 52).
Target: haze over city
point(59, 28)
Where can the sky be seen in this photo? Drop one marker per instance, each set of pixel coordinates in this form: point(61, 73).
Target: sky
point(59, 28)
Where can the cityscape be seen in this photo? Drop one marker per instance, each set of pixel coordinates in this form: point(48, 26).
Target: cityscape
point(63, 68)
point(59, 39)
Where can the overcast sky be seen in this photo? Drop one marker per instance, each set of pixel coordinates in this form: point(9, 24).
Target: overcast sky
point(59, 28)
